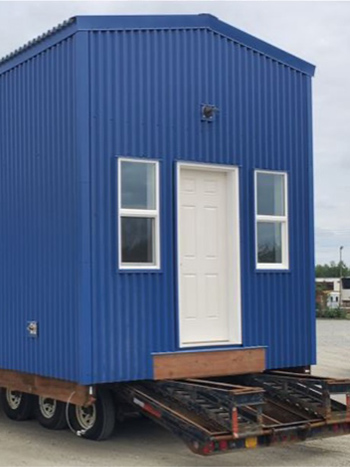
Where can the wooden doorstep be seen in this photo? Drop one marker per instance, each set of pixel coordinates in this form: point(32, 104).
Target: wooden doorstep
point(205, 364)
point(48, 387)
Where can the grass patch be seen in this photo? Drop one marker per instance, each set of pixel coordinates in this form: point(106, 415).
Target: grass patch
point(336, 313)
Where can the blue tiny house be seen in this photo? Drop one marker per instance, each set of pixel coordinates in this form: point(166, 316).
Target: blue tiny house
point(157, 202)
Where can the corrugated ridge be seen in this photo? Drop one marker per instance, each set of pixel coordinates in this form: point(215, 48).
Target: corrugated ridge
point(37, 40)
point(172, 22)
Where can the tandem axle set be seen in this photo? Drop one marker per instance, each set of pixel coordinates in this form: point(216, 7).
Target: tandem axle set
point(211, 416)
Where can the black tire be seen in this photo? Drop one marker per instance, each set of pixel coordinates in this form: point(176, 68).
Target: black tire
point(17, 405)
point(50, 413)
point(97, 421)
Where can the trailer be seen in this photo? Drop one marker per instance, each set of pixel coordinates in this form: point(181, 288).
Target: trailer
point(213, 416)
point(156, 234)
point(210, 416)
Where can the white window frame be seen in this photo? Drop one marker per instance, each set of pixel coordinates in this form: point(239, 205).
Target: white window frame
point(284, 220)
point(142, 213)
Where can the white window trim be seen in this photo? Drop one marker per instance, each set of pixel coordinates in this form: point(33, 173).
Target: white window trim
point(145, 213)
point(284, 220)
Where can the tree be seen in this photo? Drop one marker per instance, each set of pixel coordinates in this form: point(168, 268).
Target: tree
point(321, 296)
point(332, 270)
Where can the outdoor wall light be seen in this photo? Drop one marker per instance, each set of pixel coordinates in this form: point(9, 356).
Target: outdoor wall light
point(208, 112)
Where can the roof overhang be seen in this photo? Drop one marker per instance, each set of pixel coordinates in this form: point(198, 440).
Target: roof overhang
point(202, 21)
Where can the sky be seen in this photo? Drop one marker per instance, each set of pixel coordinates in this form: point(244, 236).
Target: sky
point(318, 32)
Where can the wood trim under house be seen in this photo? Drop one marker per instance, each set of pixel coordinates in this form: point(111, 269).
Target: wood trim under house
point(48, 387)
point(208, 363)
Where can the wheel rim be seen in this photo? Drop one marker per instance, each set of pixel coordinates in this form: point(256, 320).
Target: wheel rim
point(13, 398)
point(47, 407)
point(86, 416)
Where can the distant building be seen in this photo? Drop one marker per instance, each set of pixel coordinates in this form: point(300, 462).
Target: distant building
point(345, 295)
point(331, 292)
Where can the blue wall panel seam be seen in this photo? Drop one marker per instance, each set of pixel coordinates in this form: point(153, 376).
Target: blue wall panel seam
point(83, 154)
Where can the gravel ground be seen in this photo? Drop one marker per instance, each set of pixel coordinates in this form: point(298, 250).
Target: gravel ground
point(142, 443)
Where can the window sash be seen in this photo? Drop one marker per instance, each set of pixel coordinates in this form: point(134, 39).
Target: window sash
point(148, 191)
point(270, 199)
point(145, 245)
point(140, 213)
point(283, 220)
point(284, 258)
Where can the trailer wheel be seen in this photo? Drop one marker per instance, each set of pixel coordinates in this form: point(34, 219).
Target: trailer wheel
point(95, 422)
point(17, 405)
point(51, 413)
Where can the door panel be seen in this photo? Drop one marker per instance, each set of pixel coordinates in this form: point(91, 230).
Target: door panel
point(203, 249)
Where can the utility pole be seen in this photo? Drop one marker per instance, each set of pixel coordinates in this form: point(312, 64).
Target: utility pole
point(340, 274)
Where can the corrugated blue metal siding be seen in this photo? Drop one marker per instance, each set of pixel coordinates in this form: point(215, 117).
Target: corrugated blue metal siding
point(146, 90)
point(39, 214)
point(69, 105)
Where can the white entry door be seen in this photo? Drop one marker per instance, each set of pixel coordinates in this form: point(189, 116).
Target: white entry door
point(207, 304)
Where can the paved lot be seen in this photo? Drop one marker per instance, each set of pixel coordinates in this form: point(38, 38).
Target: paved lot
point(141, 443)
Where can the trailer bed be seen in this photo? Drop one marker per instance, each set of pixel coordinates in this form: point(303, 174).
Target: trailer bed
point(249, 411)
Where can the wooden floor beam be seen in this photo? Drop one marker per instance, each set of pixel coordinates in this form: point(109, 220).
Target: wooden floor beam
point(48, 387)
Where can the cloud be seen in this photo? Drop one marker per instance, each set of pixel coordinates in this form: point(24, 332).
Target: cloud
point(316, 31)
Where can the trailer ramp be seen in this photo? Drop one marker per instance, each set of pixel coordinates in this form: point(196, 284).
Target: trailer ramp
point(264, 409)
point(311, 394)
